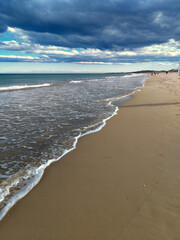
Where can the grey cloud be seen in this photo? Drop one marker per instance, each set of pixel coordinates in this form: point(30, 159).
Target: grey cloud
point(108, 24)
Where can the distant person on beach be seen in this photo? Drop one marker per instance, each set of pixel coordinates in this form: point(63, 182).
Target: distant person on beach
point(166, 72)
point(153, 73)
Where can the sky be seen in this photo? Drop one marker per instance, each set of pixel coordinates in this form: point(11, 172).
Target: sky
point(89, 35)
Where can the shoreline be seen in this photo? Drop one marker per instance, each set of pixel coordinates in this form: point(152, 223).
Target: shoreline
point(39, 172)
point(104, 189)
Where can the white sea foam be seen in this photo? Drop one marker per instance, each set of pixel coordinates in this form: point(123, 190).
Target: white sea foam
point(117, 98)
point(95, 80)
point(24, 191)
point(89, 80)
point(102, 124)
point(73, 81)
point(19, 87)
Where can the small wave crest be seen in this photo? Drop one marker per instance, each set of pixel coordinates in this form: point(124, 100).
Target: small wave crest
point(20, 87)
point(119, 97)
point(89, 80)
point(73, 81)
point(95, 80)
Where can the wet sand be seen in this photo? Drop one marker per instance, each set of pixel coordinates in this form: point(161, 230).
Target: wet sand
point(122, 182)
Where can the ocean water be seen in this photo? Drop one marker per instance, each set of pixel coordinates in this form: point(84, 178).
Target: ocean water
point(43, 115)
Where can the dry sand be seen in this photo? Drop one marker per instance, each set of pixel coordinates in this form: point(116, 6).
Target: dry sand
point(121, 183)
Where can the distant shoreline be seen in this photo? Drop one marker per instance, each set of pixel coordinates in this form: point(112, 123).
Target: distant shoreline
point(93, 73)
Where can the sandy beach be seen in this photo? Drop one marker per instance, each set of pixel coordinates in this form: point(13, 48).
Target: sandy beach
point(121, 183)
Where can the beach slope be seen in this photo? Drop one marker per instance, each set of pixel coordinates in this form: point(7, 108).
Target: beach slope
point(119, 183)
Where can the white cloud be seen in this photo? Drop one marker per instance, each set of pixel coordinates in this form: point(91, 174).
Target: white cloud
point(10, 29)
point(171, 48)
point(165, 63)
point(160, 19)
point(19, 33)
point(55, 52)
point(103, 63)
point(19, 57)
point(127, 53)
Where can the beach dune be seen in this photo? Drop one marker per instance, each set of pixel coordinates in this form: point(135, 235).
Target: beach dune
point(119, 183)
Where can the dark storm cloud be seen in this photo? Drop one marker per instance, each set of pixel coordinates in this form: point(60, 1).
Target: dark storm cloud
point(2, 28)
point(107, 24)
point(112, 60)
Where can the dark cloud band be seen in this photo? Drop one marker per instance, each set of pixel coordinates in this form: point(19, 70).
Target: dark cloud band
point(107, 24)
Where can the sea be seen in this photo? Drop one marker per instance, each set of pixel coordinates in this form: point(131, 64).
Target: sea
point(42, 116)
